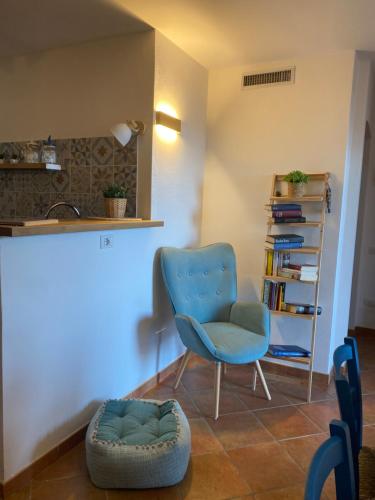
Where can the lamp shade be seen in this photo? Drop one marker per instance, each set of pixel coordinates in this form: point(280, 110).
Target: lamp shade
point(122, 132)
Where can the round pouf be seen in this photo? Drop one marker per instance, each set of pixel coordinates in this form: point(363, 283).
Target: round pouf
point(138, 443)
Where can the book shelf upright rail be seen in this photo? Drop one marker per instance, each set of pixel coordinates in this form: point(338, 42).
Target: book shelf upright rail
point(316, 199)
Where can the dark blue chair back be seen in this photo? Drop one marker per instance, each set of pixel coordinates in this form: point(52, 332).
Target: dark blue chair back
point(349, 394)
point(333, 454)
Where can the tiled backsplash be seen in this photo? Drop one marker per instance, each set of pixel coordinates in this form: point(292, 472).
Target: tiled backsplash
point(90, 165)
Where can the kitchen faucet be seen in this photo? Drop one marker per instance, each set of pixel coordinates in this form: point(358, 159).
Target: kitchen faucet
point(62, 204)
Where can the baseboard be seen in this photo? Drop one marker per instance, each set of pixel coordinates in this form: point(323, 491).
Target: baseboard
point(23, 478)
point(290, 371)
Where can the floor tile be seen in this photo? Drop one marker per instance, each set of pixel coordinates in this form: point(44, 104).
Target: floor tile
point(297, 392)
point(229, 402)
point(239, 376)
point(368, 380)
point(303, 449)
point(199, 378)
point(188, 405)
point(165, 389)
point(239, 429)
point(256, 400)
point(212, 476)
point(203, 440)
point(369, 436)
point(266, 466)
point(287, 422)
point(369, 409)
point(321, 413)
point(73, 488)
point(291, 493)
point(171, 493)
point(72, 464)
point(23, 494)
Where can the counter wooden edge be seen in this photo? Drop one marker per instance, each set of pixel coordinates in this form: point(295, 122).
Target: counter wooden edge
point(76, 226)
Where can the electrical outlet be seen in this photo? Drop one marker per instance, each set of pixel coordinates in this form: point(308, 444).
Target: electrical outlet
point(106, 241)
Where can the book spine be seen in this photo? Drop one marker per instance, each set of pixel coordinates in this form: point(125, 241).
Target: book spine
point(288, 239)
point(286, 206)
point(286, 213)
point(284, 220)
point(285, 246)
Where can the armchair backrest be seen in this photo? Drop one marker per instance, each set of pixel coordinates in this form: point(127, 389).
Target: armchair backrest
point(201, 282)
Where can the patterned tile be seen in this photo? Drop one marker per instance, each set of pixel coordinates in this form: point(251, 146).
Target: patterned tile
point(60, 181)
point(102, 150)
point(126, 155)
point(81, 152)
point(41, 182)
point(97, 208)
point(126, 175)
point(41, 203)
point(80, 180)
point(101, 178)
point(6, 181)
point(131, 207)
point(63, 152)
point(24, 204)
point(7, 204)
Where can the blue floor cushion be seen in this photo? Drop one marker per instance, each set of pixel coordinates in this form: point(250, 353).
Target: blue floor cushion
point(135, 443)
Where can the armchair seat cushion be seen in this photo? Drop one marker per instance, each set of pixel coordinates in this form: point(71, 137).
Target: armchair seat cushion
point(234, 344)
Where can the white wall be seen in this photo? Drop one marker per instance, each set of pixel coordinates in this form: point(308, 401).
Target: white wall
point(362, 311)
point(79, 322)
point(255, 133)
point(359, 112)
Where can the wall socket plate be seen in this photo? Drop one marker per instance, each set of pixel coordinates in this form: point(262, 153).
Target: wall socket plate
point(106, 241)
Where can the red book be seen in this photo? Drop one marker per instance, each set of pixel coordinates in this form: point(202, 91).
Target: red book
point(287, 213)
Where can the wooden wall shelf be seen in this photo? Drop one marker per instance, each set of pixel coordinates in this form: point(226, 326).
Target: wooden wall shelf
point(29, 166)
point(301, 199)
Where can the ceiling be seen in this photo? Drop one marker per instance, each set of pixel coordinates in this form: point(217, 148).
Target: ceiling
point(215, 32)
point(229, 32)
point(34, 25)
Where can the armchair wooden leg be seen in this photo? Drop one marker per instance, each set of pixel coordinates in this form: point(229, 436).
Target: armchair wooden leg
point(254, 378)
point(263, 380)
point(181, 368)
point(217, 389)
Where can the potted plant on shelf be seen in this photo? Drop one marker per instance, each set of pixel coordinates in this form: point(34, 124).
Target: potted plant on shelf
point(115, 201)
point(297, 181)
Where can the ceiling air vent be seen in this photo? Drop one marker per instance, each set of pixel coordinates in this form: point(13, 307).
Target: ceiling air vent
point(284, 76)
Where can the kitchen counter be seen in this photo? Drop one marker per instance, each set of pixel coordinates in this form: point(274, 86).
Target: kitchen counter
point(77, 226)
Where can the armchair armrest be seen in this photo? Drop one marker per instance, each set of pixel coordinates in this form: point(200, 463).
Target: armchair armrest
point(253, 316)
point(194, 336)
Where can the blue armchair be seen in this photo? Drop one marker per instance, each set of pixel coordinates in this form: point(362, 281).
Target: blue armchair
point(202, 286)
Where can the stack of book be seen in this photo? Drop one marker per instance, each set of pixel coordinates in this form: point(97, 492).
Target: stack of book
point(274, 295)
point(303, 272)
point(276, 260)
point(284, 241)
point(290, 351)
point(281, 213)
point(296, 308)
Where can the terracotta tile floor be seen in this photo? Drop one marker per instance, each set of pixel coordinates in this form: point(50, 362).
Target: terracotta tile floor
point(257, 450)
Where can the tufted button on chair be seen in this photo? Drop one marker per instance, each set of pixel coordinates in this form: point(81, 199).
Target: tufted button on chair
point(212, 323)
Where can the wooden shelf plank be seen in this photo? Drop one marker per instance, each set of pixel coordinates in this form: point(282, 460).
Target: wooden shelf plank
point(301, 360)
point(288, 280)
point(292, 315)
point(301, 199)
point(312, 250)
point(296, 224)
point(29, 166)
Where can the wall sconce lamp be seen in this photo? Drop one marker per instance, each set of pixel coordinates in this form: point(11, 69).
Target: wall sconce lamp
point(167, 121)
point(125, 131)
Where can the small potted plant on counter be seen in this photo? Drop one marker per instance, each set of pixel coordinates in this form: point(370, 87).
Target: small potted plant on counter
point(115, 201)
point(297, 181)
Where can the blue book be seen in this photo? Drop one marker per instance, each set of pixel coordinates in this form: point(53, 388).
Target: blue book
point(284, 246)
point(292, 351)
point(285, 206)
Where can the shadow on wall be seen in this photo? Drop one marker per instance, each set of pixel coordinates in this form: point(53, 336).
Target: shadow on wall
point(158, 329)
point(47, 443)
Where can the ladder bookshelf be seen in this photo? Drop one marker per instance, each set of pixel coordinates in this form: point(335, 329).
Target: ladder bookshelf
point(316, 202)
